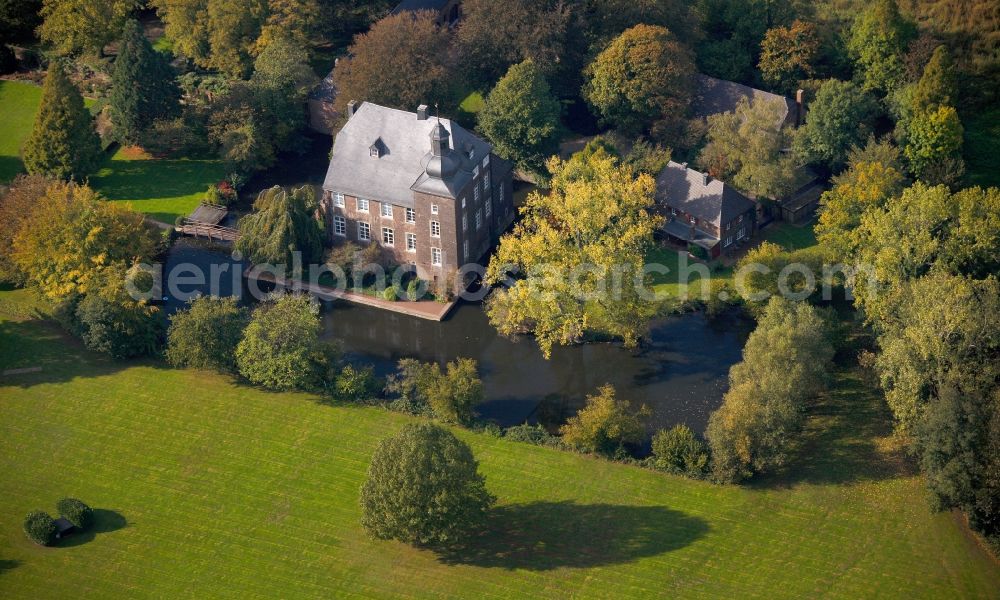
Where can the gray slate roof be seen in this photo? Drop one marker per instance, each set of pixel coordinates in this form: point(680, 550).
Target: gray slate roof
point(685, 189)
point(400, 170)
point(714, 96)
point(325, 90)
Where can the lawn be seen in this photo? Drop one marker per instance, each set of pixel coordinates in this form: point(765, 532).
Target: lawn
point(206, 488)
point(161, 188)
point(669, 284)
point(788, 236)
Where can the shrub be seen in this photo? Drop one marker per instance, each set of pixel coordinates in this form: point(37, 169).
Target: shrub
point(281, 348)
point(413, 290)
point(108, 319)
point(423, 487)
point(390, 294)
point(678, 450)
point(451, 394)
point(174, 137)
point(605, 424)
point(40, 528)
point(205, 335)
point(76, 512)
point(355, 384)
point(531, 434)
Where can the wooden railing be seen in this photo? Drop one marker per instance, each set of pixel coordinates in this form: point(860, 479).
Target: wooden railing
point(212, 232)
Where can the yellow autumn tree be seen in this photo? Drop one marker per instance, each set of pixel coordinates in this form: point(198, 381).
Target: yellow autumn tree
point(575, 261)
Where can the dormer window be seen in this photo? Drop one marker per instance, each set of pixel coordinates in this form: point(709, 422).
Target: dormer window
point(373, 152)
point(377, 149)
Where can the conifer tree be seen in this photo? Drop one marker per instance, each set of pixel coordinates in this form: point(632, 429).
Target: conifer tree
point(63, 142)
point(143, 88)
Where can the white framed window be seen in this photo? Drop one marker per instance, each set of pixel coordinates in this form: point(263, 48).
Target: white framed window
point(486, 180)
point(475, 193)
point(479, 219)
point(465, 222)
point(411, 242)
point(435, 229)
point(500, 187)
point(741, 233)
point(338, 199)
point(373, 152)
point(364, 231)
point(386, 210)
point(486, 161)
point(488, 207)
point(434, 209)
point(362, 205)
point(465, 250)
point(339, 225)
point(388, 237)
point(411, 215)
point(435, 256)
point(729, 241)
point(463, 202)
point(475, 171)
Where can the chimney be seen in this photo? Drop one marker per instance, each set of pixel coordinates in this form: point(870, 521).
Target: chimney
point(352, 106)
point(704, 178)
point(800, 108)
point(422, 112)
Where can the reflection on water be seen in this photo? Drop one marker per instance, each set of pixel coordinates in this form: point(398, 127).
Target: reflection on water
point(679, 372)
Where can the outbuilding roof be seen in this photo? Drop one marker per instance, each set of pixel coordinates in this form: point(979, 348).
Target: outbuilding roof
point(699, 195)
point(714, 96)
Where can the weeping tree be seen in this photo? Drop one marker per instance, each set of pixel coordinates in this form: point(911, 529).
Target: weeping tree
point(143, 88)
point(280, 225)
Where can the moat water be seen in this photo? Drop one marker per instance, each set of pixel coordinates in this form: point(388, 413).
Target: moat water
point(679, 371)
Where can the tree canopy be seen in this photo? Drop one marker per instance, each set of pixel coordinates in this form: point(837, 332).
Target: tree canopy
point(839, 118)
point(62, 142)
point(423, 487)
point(594, 225)
point(205, 335)
point(878, 41)
point(642, 77)
point(281, 225)
point(521, 118)
point(788, 55)
point(143, 86)
point(605, 424)
point(73, 26)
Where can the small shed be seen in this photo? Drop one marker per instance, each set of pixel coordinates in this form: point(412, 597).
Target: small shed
point(63, 528)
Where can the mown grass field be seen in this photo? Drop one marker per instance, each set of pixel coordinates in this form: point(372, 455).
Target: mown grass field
point(162, 188)
point(206, 488)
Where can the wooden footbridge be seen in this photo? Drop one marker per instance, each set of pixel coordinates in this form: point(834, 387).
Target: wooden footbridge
point(204, 222)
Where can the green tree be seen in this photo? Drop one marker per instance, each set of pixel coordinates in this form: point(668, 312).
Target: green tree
point(869, 182)
point(62, 143)
point(76, 235)
point(642, 77)
point(877, 42)
point(934, 138)
point(109, 320)
point(205, 335)
point(937, 84)
point(733, 32)
point(679, 450)
point(17, 208)
point(296, 21)
point(143, 86)
point(595, 224)
point(788, 55)
point(839, 118)
point(18, 20)
point(403, 61)
point(72, 26)
point(520, 117)
point(423, 487)
point(747, 148)
point(785, 361)
point(281, 348)
point(451, 394)
point(280, 225)
point(605, 425)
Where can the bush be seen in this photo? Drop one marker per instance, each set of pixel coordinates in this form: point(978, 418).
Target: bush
point(390, 294)
point(413, 290)
point(110, 321)
point(423, 487)
point(605, 424)
point(76, 512)
point(174, 137)
point(531, 434)
point(40, 528)
point(354, 384)
point(451, 394)
point(281, 348)
point(205, 335)
point(678, 450)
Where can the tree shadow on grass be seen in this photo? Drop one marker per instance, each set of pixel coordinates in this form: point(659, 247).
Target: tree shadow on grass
point(10, 166)
point(548, 535)
point(105, 521)
point(8, 565)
